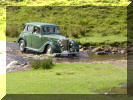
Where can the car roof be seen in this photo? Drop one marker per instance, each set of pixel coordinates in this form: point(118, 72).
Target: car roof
point(39, 24)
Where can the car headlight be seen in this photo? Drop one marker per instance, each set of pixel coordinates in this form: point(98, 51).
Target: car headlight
point(71, 41)
point(59, 41)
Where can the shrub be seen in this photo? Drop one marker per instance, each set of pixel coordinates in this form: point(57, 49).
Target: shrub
point(82, 31)
point(45, 64)
point(12, 31)
point(74, 34)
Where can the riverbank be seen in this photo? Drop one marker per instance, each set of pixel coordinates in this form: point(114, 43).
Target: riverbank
point(63, 78)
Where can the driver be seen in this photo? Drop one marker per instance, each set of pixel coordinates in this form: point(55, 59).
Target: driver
point(37, 30)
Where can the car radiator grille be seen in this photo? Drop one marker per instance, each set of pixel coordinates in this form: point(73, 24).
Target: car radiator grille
point(65, 45)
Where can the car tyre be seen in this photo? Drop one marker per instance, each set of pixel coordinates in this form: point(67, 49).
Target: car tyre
point(22, 46)
point(49, 50)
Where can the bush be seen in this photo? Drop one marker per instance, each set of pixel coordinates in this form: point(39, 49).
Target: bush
point(45, 64)
point(12, 31)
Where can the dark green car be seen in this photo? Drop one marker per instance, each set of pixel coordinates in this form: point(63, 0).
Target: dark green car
point(45, 38)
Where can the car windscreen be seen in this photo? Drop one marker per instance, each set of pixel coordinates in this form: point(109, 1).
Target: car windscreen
point(50, 29)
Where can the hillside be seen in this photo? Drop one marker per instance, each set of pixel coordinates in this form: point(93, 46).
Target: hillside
point(87, 39)
point(86, 24)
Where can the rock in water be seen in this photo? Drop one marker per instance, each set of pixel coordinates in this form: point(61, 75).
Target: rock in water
point(123, 51)
point(12, 64)
point(101, 53)
point(97, 49)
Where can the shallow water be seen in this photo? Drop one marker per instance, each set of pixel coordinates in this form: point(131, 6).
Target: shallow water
point(88, 57)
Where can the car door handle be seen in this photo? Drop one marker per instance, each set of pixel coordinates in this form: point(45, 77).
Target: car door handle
point(38, 36)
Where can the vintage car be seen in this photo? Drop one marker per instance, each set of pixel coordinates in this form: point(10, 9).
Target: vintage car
point(45, 38)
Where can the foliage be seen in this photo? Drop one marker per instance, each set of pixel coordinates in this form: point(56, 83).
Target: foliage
point(66, 78)
point(68, 2)
point(75, 22)
point(45, 64)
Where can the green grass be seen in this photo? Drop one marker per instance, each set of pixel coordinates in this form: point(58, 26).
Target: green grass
point(2, 85)
point(103, 40)
point(11, 39)
point(76, 78)
point(120, 30)
point(87, 25)
point(69, 2)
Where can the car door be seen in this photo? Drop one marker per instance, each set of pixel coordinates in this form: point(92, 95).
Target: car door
point(45, 37)
point(28, 34)
point(36, 39)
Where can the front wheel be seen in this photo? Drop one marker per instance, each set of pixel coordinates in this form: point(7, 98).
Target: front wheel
point(49, 50)
point(22, 46)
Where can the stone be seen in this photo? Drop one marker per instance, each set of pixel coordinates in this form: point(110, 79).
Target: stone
point(107, 50)
point(81, 49)
point(97, 49)
point(80, 46)
point(123, 51)
point(101, 53)
point(12, 64)
point(114, 50)
point(26, 66)
point(85, 48)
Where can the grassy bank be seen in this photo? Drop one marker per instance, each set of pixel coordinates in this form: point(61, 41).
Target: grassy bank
point(76, 78)
point(87, 24)
point(11, 39)
point(105, 20)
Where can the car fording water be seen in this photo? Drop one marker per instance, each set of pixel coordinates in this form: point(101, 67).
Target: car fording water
point(46, 38)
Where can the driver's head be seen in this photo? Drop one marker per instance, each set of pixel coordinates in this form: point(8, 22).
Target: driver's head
point(38, 28)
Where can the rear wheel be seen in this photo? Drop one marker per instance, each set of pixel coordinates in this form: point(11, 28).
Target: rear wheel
point(22, 46)
point(49, 50)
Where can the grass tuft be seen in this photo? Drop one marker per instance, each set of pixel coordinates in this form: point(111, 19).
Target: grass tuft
point(45, 64)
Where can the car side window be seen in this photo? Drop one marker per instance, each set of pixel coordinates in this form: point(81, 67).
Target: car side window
point(47, 29)
point(36, 30)
point(29, 28)
point(25, 28)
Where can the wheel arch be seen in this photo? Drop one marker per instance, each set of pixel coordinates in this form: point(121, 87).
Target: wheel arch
point(22, 39)
point(54, 46)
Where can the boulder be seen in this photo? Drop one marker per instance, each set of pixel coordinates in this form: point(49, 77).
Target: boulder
point(123, 51)
point(80, 46)
point(85, 48)
point(12, 64)
point(97, 49)
point(107, 50)
point(114, 50)
point(81, 49)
